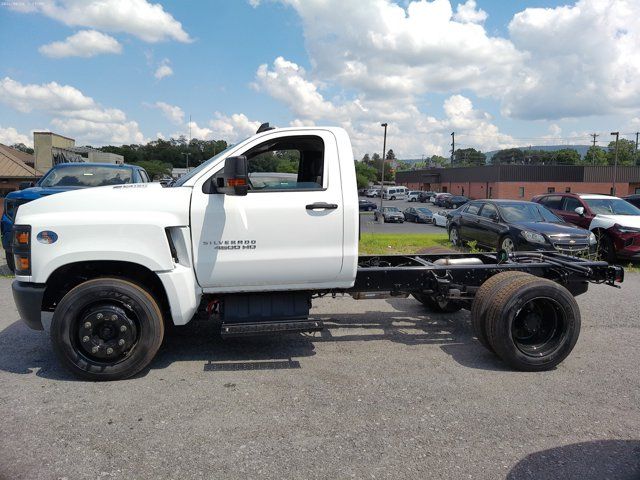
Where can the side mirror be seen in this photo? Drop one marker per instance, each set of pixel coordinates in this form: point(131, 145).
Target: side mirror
point(579, 211)
point(23, 185)
point(235, 177)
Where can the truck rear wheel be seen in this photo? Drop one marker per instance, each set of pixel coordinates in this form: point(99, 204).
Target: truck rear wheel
point(107, 329)
point(532, 323)
point(483, 298)
point(435, 305)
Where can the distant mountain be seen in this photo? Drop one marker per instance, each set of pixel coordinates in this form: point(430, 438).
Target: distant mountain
point(581, 149)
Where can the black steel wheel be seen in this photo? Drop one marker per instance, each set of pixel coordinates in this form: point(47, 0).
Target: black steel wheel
point(10, 262)
point(107, 329)
point(437, 305)
point(483, 298)
point(533, 323)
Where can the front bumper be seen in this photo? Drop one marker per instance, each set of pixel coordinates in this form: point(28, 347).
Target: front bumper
point(28, 299)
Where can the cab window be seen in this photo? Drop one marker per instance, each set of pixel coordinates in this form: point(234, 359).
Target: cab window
point(287, 163)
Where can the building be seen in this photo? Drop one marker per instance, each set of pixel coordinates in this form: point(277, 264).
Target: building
point(14, 169)
point(522, 182)
point(51, 149)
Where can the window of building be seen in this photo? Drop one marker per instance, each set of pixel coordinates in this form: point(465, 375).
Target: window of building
point(490, 192)
point(288, 163)
point(521, 192)
point(611, 191)
point(637, 190)
point(444, 189)
point(567, 190)
point(551, 189)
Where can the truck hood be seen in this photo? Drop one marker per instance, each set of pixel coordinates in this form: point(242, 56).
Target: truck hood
point(125, 204)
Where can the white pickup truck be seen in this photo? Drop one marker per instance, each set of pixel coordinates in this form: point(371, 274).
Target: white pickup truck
point(249, 238)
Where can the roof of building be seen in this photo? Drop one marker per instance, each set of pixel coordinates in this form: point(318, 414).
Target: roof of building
point(12, 164)
point(52, 133)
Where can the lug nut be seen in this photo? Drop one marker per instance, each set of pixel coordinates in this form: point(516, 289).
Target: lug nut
point(85, 339)
point(87, 324)
point(109, 351)
point(121, 342)
point(114, 317)
point(99, 316)
point(94, 350)
point(123, 328)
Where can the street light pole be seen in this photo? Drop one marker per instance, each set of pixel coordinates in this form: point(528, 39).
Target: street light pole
point(615, 164)
point(384, 153)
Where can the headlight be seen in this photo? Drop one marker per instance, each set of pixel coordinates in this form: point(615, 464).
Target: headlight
point(533, 237)
point(623, 229)
point(592, 239)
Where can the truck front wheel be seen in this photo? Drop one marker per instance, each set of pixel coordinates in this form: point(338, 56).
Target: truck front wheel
point(107, 329)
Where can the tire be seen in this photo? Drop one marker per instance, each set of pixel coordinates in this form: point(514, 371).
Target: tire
point(454, 236)
point(435, 305)
point(483, 298)
point(606, 249)
point(392, 198)
point(10, 263)
point(507, 239)
point(532, 323)
point(137, 322)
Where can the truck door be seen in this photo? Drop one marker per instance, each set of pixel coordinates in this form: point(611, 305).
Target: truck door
point(287, 232)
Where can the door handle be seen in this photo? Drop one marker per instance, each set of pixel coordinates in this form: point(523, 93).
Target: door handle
point(322, 206)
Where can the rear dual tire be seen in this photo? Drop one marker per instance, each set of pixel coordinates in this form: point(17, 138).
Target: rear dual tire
point(531, 323)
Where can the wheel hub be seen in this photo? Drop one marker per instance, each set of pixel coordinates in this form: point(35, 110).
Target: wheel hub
point(106, 332)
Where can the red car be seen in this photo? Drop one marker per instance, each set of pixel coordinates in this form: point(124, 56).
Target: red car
point(614, 221)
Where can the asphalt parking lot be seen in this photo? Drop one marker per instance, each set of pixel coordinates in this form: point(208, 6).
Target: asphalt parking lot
point(368, 225)
point(386, 391)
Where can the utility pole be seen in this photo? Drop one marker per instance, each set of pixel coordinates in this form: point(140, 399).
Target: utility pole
point(637, 159)
point(384, 154)
point(453, 146)
point(615, 163)
point(594, 135)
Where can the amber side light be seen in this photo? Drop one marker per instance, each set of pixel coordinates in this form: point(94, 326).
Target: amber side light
point(22, 263)
point(22, 238)
point(236, 182)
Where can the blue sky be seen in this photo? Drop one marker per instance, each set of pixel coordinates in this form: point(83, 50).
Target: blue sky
point(499, 73)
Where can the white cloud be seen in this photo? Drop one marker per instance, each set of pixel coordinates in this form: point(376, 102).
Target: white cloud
point(85, 43)
point(469, 13)
point(254, 3)
point(9, 136)
point(163, 70)
point(231, 128)
point(172, 112)
point(74, 113)
point(583, 60)
point(147, 21)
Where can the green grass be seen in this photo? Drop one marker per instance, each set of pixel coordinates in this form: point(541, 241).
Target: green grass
point(380, 243)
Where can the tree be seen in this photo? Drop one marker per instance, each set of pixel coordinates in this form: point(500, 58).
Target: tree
point(469, 157)
point(155, 168)
point(508, 156)
point(438, 161)
point(390, 155)
point(566, 156)
point(626, 152)
point(595, 156)
point(365, 174)
point(366, 159)
point(23, 148)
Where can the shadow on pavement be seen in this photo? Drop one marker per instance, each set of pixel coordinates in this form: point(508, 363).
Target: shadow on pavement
point(597, 460)
point(23, 351)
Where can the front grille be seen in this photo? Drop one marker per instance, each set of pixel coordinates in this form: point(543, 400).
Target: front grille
point(570, 245)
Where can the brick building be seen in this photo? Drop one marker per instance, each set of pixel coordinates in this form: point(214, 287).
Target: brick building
point(522, 182)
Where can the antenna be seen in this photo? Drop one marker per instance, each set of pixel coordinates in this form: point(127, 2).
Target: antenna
point(265, 127)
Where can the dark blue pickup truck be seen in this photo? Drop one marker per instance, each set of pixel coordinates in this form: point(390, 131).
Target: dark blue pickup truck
point(62, 178)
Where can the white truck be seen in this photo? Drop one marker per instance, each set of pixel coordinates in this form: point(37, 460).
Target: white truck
point(247, 243)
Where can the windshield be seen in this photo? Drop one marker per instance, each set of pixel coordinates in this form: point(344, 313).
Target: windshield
point(527, 212)
point(391, 209)
point(192, 173)
point(426, 211)
point(611, 206)
point(84, 175)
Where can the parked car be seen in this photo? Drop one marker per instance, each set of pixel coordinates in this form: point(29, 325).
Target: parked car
point(438, 200)
point(633, 200)
point(517, 225)
point(367, 205)
point(62, 178)
point(373, 192)
point(440, 218)
point(413, 196)
point(614, 221)
point(418, 215)
point(455, 201)
point(389, 215)
point(425, 197)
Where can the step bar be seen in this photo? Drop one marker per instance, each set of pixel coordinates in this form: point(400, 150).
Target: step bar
point(264, 328)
